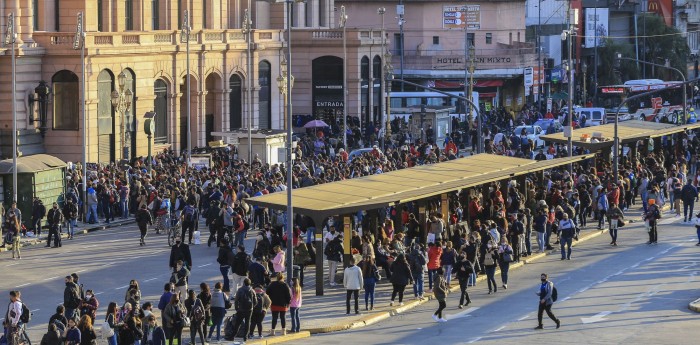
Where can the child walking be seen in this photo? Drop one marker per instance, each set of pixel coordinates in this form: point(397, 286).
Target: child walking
point(295, 305)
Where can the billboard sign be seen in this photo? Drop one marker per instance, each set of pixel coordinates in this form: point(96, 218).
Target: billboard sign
point(457, 17)
point(596, 27)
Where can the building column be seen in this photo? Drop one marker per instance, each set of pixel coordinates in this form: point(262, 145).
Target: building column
point(223, 101)
point(174, 120)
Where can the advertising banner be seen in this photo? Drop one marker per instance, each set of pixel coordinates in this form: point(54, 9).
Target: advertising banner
point(456, 17)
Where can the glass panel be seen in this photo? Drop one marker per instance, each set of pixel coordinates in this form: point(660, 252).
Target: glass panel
point(264, 95)
point(235, 106)
point(160, 104)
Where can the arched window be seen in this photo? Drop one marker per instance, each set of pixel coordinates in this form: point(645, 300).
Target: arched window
point(160, 106)
point(105, 117)
point(365, 89)
point(264, 95)
point(377, 88)
point(66, 105)
point(235, 102)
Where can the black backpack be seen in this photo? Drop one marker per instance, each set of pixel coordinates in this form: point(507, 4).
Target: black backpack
point(26, 314)
point(245, 301)
point(258, 302)
point(189, 213)
point(555, 294)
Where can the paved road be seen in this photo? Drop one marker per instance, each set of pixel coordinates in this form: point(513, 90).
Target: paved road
point(105, 260)
point(628, 294)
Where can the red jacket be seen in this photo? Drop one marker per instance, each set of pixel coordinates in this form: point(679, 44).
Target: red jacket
point(434, 254)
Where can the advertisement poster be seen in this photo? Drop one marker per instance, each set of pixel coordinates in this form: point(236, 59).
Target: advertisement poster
point(456, 17)
point(596, 26)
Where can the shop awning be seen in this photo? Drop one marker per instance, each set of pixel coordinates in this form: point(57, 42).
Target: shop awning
point(628, 131)
point(395, 187)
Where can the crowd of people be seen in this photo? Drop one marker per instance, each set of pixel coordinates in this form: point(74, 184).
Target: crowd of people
point(487, 228)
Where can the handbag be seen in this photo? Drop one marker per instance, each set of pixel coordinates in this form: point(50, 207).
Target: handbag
point(431, 238)
point(377, 276)
point(507, 257)
point(227, 303)
point(620, 223)
point(106, 330)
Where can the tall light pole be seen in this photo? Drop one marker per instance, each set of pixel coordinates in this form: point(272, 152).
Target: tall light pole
point(343, 22)
point(121, 101)
point(479, 128)
point(11, 38)
point(247, 32)
point(570, 36)
point(388, 76)
point(466, 80)
point(380, 11)
point(185, 37)
point(595, 58)
point(539, 56)
point(79, 43)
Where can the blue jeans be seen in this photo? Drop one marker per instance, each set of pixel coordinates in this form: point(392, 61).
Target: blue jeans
point(112, 340)
point(240, 236)
point(644, 201)
point(504, 272)
point(565, 241)
point(448, 273)
point(430, 278)
point(418, 285)
point(224, 272)
point(69, 227)
point(369, 285)
point(107, 209)
point(294, 315)
point(491, 277)
point(92, 214)
point(697, 230)
point(541, 237)
point(217, 317)
point(124, 206)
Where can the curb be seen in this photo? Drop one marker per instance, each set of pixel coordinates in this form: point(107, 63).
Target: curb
point(34, 241)
point(279, 339)
point(695, 305)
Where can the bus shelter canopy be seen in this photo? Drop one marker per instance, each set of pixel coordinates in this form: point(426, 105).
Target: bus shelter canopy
point(628, 131)
point(401, 186)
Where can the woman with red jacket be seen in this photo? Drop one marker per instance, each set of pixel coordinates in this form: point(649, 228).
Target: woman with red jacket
point(434, 254)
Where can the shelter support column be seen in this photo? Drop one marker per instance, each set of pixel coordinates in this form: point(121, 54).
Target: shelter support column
point(445, 211)
point(318, 246)
point(398, 225)
point(422, 219)
point(347, 237)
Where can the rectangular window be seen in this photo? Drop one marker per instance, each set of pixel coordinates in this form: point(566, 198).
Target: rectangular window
point(204, 14)
point(65, 105)
point(470, 38)
point(99, 15)
point(179, 14)
point(129, 15)
point(489, 38)
point(436, 39)
point(35, 20)
point(155, 17)
point(398, 50)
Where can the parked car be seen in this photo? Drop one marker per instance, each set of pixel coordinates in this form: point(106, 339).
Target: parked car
point(533, 133)
point(360, 152)
point(545, 123)
point(594, 116)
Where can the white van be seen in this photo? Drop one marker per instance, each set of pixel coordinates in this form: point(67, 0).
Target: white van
point(594, 116)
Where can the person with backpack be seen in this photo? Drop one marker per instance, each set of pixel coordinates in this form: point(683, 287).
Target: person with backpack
point(52, 337)
point(143, 219)
point(262, 304)
point(214, 224)
point(547, 294)
point(280, 298)
point(244, 303)
point(59, 318)
point(567, 231)
point(71, 298)
point(689, 194)
point(70, 214)
point(239, 267)
point(651, 217)
point(490, 263)
point(54, 219)
point(152, 333)
point(218, 311)
point(189, 218)
point(197, 315)
point(440, 293)
point(603, 206)
point(417, 259)
point(224, 258)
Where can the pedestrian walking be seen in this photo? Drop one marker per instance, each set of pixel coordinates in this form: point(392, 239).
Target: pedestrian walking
point(225, 258)
point(490, 262)
point(505, 257)
point(189, 217)
point(133, 294)
point(14, 233)
point(447, 260)
point(352, 281)
point(153, 334)
point(179, 278)
point(244, 302)
point(400, 277)
point(689, 195)
point(180, 252)
point(697, 227)
point(143, 219)
point(111, 320)
point(440, 293)
point(434, 255)
point(71, 298)
point(464, 269)
point(650, 218)
point(417, 259)
point(568, 231)
point(616, 217)
point(295, 304)
point(370, 276)
point(174, 317)
point(197, 315)
point(280, 298)
point(546, 301)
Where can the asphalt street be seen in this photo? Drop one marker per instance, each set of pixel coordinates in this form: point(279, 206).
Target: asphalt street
point(630, 294)
point(105, 260)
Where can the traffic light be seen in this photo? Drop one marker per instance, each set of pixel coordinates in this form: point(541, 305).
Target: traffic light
point(617, 63)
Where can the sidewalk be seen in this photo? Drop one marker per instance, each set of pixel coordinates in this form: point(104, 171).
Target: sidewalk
point(81, 229)
point(695, 305)
point(327, 313)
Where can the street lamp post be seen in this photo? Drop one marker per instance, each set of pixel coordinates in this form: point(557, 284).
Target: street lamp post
point(570, 35)
point(343, 22)
point(121, 101)
point(247, 32)
point(479, 128)
point(11, 38)
point(79, 43)
point(185, 37)
point(381, 11)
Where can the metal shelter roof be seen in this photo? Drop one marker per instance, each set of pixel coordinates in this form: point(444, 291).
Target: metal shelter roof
point(400, 186)
point(31, 164)
point(628, 131)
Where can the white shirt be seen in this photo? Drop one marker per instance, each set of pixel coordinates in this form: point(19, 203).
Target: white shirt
point(15, 309)
point(330, 236)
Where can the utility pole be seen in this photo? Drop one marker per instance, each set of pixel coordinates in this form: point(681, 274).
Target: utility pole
point(79, 43)
point(381, 11)
point(11, 38)
point(570, 36)
point(467, 110)
point(343, 22)
point(539, 56)
point(185, 34)
point(248, 33)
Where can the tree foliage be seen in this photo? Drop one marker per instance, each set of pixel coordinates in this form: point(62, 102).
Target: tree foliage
point(660, 44)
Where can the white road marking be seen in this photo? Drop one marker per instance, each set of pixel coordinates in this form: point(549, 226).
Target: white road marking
point(34, 310)
point(99, 293)
point(122, 287)
point(151, 279)
point(25, 284)
point(596, 318)
point(499, 328)
point(83, 270)
point(200, 266)
point(461, 314)
point(524, 317)
point(474, 340)
point(50, 278)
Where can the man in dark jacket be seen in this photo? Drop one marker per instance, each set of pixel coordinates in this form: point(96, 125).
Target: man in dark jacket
point(143, 219)
point(38, 213)
point(258, 273)
point(70, 214)
point(71, 297)
point(334, 255)
point(239, 267)
point(213, 222)
point(244, 302)
point(689, 194)
point(54, 219)
point(180, 251)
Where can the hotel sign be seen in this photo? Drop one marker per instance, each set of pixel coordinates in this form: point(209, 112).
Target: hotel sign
point(457, 61)
point(457, 17)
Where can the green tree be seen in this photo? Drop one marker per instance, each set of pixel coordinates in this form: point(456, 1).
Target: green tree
point(606, 62)
point(661, 44)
